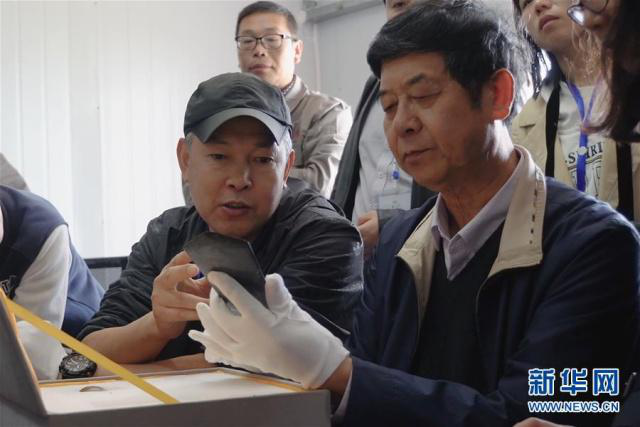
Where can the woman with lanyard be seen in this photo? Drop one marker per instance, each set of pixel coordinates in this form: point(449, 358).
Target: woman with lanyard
point(550, 125)
point(615, 24)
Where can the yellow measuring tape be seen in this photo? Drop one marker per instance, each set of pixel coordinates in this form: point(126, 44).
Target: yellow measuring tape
point(86, 351)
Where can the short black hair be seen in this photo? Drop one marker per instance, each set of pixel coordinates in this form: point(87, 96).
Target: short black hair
point(474, 41)
point(268, 7)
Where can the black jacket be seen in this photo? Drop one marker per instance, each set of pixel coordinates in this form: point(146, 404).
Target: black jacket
point(307, 241)
point(344, 190)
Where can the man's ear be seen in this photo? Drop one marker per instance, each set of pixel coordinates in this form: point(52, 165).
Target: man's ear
point(290, 162)
point(503, 91)
point(183, 152)
point(297, 51)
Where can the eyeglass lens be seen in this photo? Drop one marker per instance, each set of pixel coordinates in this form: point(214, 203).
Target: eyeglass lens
point(577, 10)
point(270, 41)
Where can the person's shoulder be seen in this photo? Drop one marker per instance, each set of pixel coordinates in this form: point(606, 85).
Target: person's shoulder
point(167, 233)
point(533, 111)
point(10, 176)
point(307, 206)
point(569, 204)
point(323, 103)
point(401, 225)
point(173, 218)
point(31, 204)
point(571, 212)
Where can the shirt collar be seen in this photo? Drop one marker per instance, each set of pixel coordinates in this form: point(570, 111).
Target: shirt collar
point(296, 94)
point(287, 89)
point(486, 222)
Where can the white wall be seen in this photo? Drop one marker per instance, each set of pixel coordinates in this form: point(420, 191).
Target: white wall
point(92, 102)
point(342, 45)
point(92, 98)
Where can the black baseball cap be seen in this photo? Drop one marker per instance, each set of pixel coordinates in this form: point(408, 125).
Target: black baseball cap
point(230, 95)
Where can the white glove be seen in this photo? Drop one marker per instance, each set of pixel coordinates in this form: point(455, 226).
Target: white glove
point(284, 339)
point(45, 352)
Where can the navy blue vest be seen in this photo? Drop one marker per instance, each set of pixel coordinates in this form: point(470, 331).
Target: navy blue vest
point(449, 348)
point(28, 222)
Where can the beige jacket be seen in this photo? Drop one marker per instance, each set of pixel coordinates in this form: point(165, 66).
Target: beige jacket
point(321, 125)
point(520, 244)
point(529, 130)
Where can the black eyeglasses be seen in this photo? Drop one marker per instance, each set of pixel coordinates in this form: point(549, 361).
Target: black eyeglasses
point(268, 41)
point(577, 9)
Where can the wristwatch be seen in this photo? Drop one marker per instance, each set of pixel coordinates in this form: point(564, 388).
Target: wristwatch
point(75, 365)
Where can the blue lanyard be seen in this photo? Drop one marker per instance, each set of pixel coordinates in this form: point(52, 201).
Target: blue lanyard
point(581, 165)
point(395, 174)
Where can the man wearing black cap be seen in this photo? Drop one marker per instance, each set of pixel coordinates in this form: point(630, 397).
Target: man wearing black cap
point(236, 157)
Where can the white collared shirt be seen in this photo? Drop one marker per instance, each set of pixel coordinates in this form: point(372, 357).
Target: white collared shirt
point(381, 184)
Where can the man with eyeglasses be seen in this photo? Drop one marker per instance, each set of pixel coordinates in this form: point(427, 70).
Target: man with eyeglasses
point(269, 47)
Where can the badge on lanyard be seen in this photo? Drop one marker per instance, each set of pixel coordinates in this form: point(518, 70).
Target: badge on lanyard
point(393, 198)
point(581, 165)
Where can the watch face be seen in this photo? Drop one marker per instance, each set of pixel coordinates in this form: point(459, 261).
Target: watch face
point(77, 363)
point(77, 366)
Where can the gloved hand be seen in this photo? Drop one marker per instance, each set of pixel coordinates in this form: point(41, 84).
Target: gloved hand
point(284, 339)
